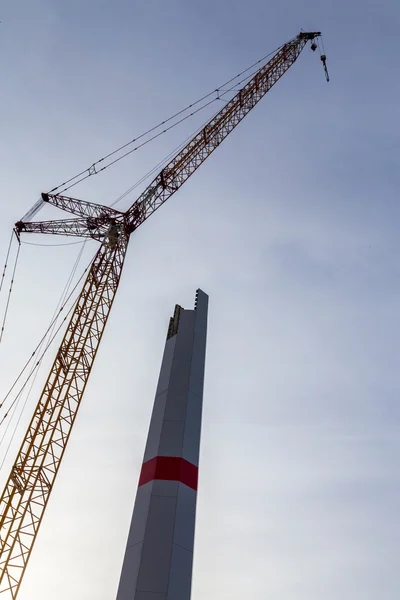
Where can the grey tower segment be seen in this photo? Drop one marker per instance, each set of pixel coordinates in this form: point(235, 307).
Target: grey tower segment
point(159, 553)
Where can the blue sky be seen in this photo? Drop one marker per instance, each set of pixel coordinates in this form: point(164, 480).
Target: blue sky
point(291, 227)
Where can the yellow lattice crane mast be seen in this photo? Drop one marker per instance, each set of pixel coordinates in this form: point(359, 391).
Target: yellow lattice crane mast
point(32, 476)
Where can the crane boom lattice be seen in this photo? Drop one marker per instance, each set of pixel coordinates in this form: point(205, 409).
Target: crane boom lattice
point(31, 479)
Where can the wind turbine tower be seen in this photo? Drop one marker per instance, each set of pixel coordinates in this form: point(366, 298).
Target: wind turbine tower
point(159, 552)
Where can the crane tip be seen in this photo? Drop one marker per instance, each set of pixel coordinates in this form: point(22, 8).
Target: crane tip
point(309, 35)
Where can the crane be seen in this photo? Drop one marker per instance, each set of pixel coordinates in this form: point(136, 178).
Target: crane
point(32, 477)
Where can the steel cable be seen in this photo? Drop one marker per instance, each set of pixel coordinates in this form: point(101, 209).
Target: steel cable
point(35, 368)
point(9, 293)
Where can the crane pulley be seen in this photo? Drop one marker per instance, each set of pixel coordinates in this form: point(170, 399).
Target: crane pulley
point(34, 471)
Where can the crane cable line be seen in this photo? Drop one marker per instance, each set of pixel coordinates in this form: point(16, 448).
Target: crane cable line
point(9, 293)
point(154, 169)
point(48, 245)
point(44, 337)
point(35, 367)
point(6, 263)
point(37, 348)
point(92, 170)
point(89, 173)
point(179, 147)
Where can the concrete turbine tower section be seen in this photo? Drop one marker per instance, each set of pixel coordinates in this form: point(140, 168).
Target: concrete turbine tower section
point(159, 552)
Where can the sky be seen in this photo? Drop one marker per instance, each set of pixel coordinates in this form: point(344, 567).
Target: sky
point(291, 227)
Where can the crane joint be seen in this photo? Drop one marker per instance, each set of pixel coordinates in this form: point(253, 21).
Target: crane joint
point(114, 232)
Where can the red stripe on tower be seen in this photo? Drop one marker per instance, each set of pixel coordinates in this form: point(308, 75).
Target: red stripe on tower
point(169, 468)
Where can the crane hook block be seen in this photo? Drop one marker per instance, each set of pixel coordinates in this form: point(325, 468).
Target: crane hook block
point(323, 60)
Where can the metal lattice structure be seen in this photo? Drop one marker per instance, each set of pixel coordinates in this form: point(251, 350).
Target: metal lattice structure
point(31, 479)
point(27, 491)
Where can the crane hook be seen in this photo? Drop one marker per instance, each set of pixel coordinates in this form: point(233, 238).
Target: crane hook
point(323, 59)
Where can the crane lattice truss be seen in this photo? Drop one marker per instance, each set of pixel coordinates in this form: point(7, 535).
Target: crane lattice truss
point(32, 476)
